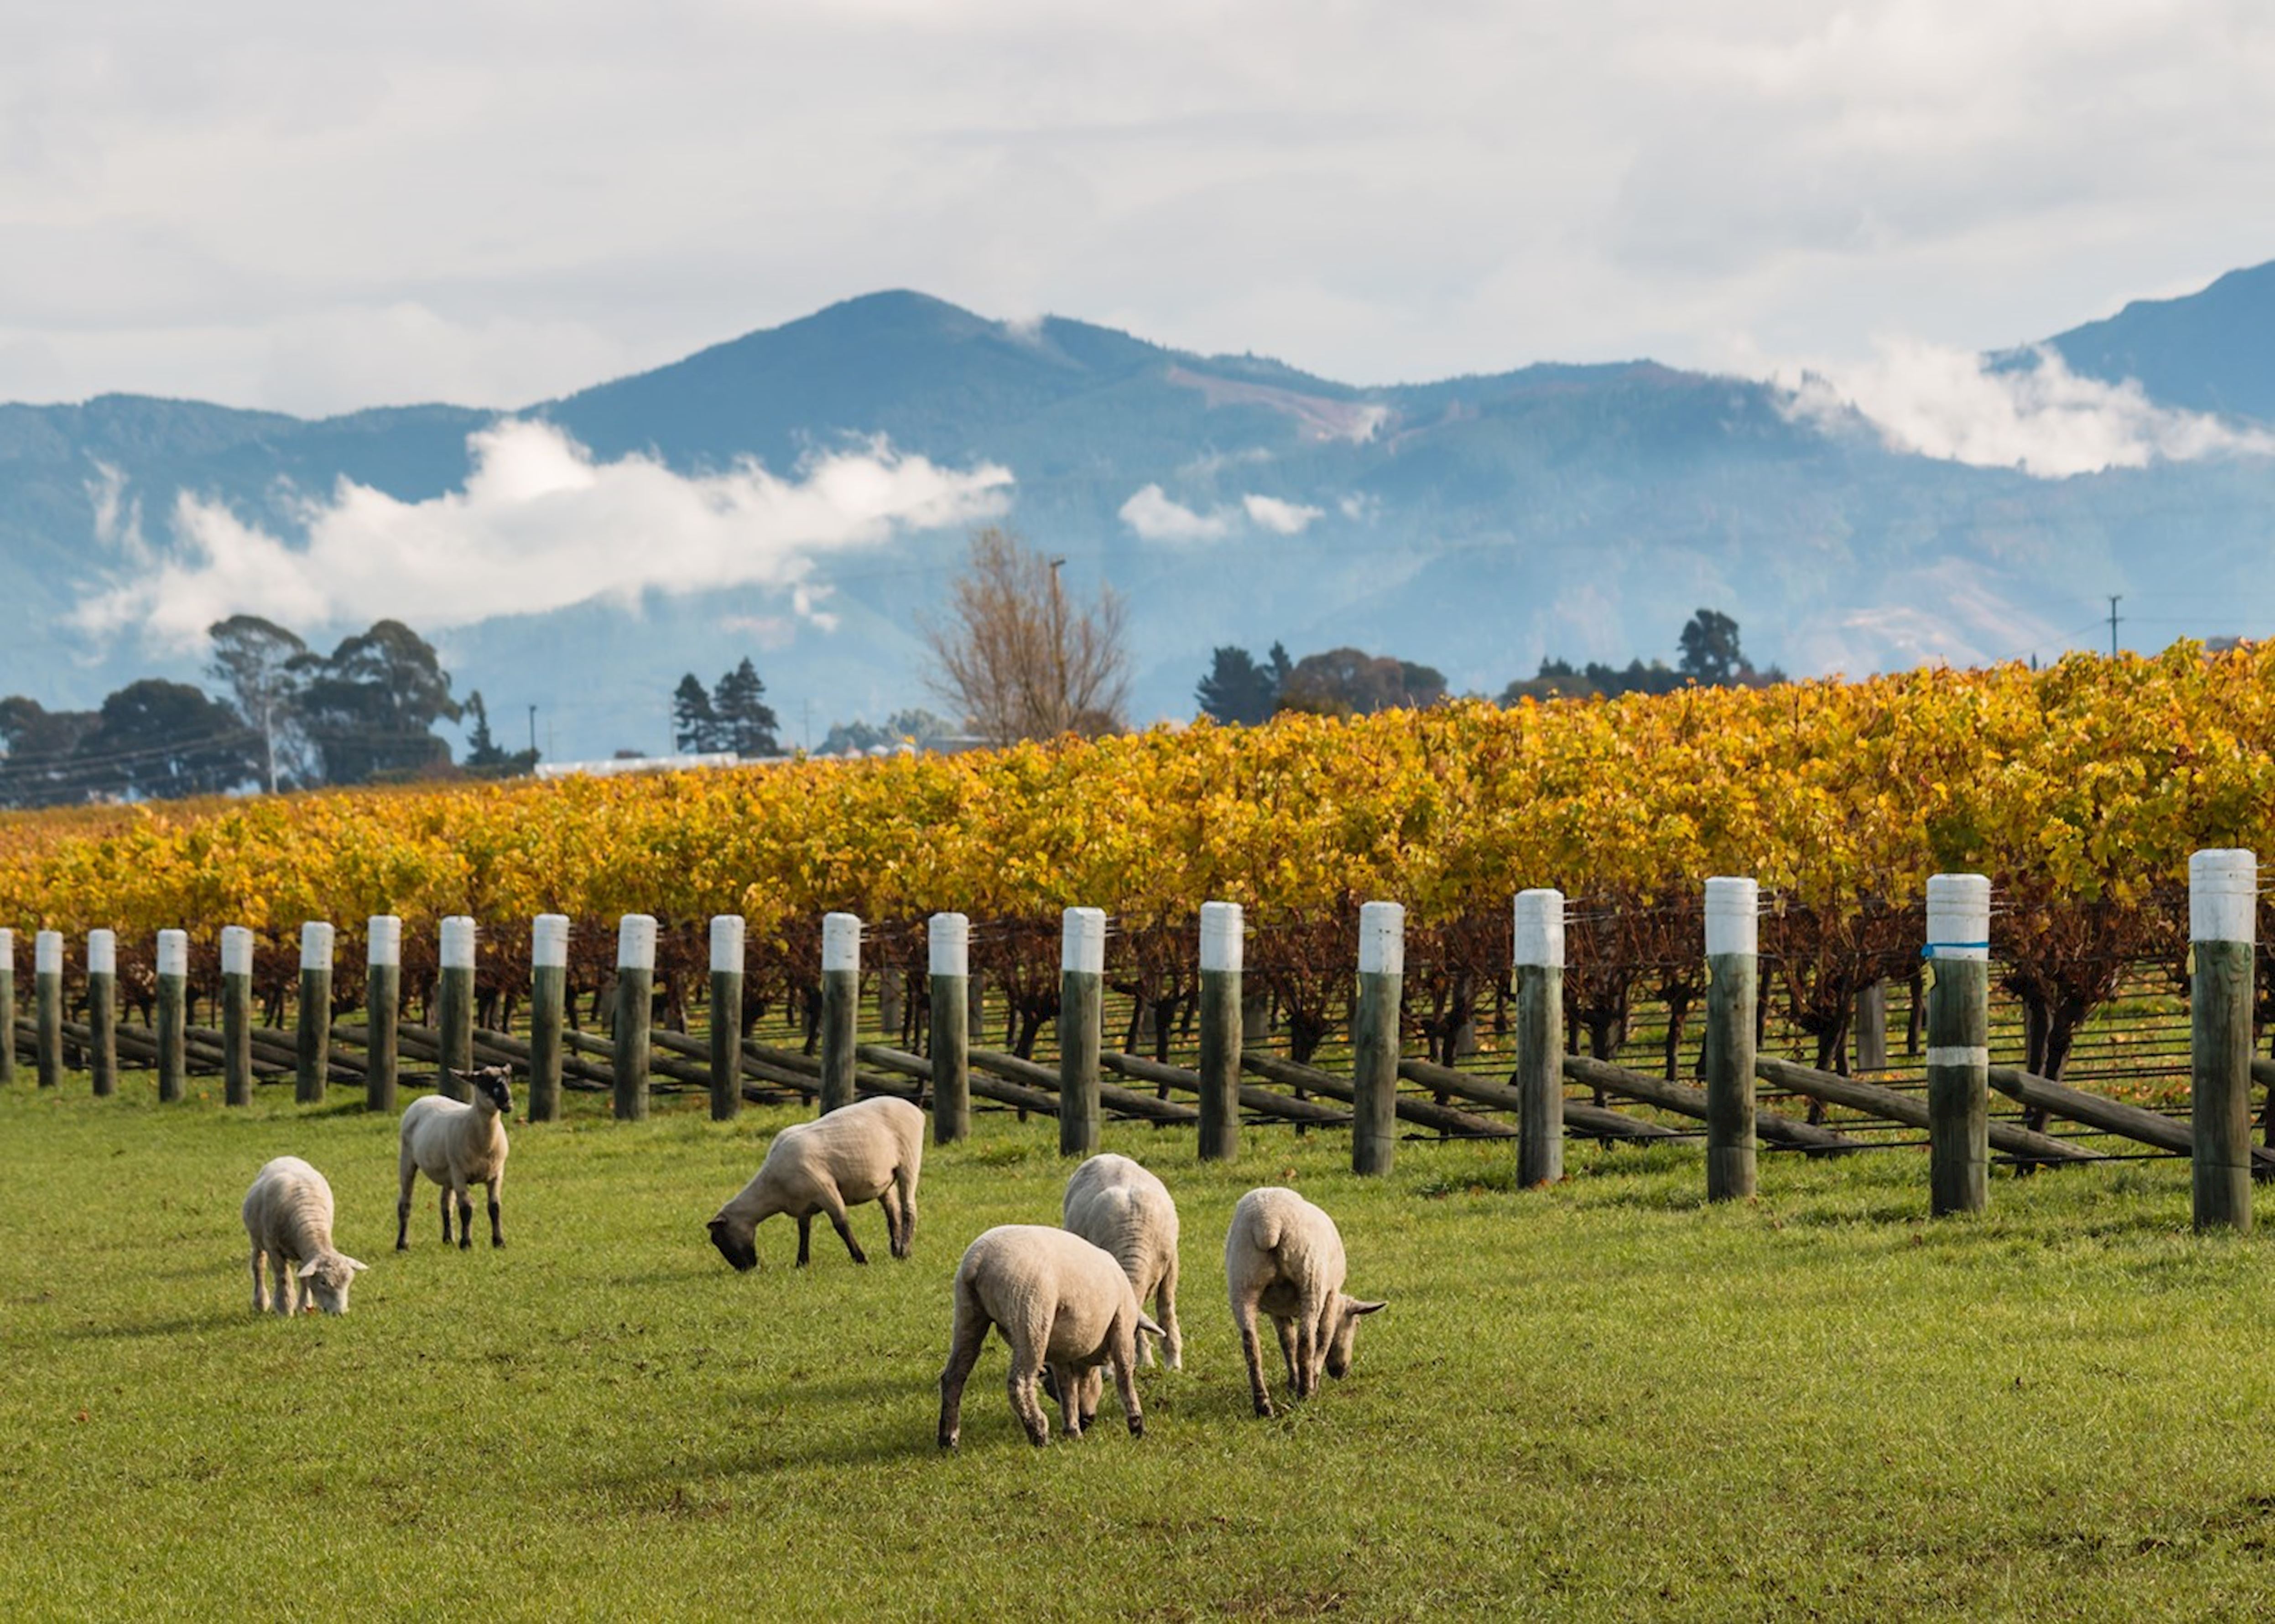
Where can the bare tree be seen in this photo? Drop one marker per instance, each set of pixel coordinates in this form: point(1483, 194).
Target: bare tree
point(1017, 658)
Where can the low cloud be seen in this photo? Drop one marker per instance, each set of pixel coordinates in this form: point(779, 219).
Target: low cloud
point(541, 524)
point(1158, 517)
point(1284, 519)
point(2038, 417)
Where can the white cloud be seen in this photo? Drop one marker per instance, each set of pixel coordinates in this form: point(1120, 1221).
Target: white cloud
point(1285, 518)
point(1157, 517)
point(540, 524)
point(2040, 418)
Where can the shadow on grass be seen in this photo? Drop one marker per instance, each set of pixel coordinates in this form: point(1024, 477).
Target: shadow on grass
point(219, 1320)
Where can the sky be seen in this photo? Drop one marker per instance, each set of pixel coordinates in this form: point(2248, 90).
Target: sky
point(314, 210)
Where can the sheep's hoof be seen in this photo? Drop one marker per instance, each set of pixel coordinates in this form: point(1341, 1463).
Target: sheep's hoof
point(498, 1240)
point(1136, 1426)
point(465, 1246)
point(403, 1246)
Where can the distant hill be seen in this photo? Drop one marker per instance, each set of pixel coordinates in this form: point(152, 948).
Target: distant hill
point(2213, 351)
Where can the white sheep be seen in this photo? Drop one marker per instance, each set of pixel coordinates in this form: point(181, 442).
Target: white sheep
point(1285, 1255)
point(288, 1217)
point(1058, 1301)
point(456, 1144)
point(1113, 1203)
point(870, 1151)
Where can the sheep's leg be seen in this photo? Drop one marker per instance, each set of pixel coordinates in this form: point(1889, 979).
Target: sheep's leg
point(497, 1234)
point(835, 1208)
point(259, 1291)
point(890, 1202)
point(442, 1201)
point(1022, 1385)
point(1244, 1316)
point(1070, 1383)
point(1165, 1310)
point(287, 1285)
point(465, 1214)
point(1291, 1353)
point(1125, 1383)
point(402, 1206)
point(905, 1182)
point(964, 1346)
point(804, 1239)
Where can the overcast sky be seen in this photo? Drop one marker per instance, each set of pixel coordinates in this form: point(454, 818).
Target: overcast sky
point(490, 201)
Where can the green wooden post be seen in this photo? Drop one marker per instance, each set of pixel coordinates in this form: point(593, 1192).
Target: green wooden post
point(173, 1015)
point(1082, 1028)
point(237, 1015)
point(454, 1013)
point(1375, 1036)
point(313, 1051)
point(726, 1017)
point(841, 1007)
point(635, 1012)
point(7, 1007)
point(549, 984)
point(48, 1005)
point(383, 963)
point(2223, 920)
point(1222, 946)
point(1539, 1079)
point(1958, 1043)
point(949, 947)
point(103, 1011)
point(1733, 985)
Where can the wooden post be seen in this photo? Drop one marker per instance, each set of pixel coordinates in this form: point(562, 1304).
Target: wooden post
point(454, 1011)
point(48, 1005)
point(549, 984)
point(726, 1017)
point(1958, 1043)
point(1732, 977)
point(949, 940)
point(1375, 1036)
point(2223, 908)
point(635, 1009)
point(1222, 954)
point(382, 963)
point(103, 1011)
point(1082, 975)
point(7, 1007)
point(313, 1053)
point(1871, 1045)
point(173, 1014)
point(841, 1007)
point(237, 1015)
point(1539, 1080)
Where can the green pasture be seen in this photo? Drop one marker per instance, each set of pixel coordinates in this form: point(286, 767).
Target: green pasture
point(1600, 1400)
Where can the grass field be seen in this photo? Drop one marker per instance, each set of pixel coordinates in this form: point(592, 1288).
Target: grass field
point(1602, 1401)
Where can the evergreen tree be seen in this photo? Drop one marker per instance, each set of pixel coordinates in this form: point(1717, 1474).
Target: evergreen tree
point(1710, 649)
point(1238, 690)
point(746, 722)
point(694, 724)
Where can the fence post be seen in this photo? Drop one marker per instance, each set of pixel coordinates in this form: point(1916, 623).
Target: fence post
point(48, 1005)
point(1870, 1037)
point(103, 1011)
point(2223, 906)
point(173, 1014)
point(1733, 985)
point(1222, 954)
point(237, 1015)
point(635, 1009)
point(1539, 956)
point(841, 1007)
point(312, 1054)
point(726, 1017)
point(382, 1000)
point(1375, 1036)
point(549, 984)
point(1958, 1043)
point(7, 1007)
point(454, 1014)
point(1082, 973)
point(948, 941)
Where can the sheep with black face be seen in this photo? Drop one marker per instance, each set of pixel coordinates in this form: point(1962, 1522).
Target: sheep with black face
point(457, 1143)
point(870, 1151)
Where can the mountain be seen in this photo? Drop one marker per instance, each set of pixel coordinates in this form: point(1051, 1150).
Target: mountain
point(1475, 523)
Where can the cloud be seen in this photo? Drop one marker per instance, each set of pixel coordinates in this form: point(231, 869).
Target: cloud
point(1285, 518)
point(1158, 517)
point(2039, 416)
point(541, 524)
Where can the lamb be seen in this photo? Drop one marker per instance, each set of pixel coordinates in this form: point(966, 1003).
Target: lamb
point(456, 1145)
point(870, 1151)
point(288, 1217)
point(1058, 1301)
point(1113, 1203)
point(1283, 1255)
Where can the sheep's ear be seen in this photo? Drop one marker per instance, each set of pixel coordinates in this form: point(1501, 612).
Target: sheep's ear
point(307, 1268)
point(1358, 1308)
point(353, 1264)
point(1147, 1327)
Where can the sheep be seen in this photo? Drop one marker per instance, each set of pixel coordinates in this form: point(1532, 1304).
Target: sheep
point(288, 1217)
point(456, 1145)
point(870, 1151)
point(1113, 1203)
point(1058, 1301)
point(1283, 1255)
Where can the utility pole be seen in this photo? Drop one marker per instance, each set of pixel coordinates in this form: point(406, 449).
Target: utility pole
point(532, 729)
point(2112, 625)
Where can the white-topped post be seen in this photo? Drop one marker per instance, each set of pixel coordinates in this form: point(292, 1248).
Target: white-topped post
point(1957, 951)
point(103, 1011)
point(635, 1013)
point(382, 1006)
point(948, 943)
point(48, 1007)
point(1380, 997)
point(727, 958)
point(548, 991)
point(7, 1006)
point(2222, 927)
point(1726, 1060)
point(1081, 1010)
point(1538, 957)
point(1223, 944)
point(454, 1006)
point(841, 1007)
point(237, 1015)
point(173, 1015)
point(313, 1053)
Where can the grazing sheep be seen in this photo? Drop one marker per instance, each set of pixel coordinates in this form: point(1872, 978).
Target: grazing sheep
point(870, 1151)
point(1059, 1302)
point(1283, 1255)
point(288, 1217)
point(456, 1144)
point(1113, 1203)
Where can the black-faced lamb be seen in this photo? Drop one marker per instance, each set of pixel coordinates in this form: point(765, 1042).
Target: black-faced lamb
point(457, 1143)
point(1059, 1302)
point(288, 1217)
point(1113, 1203)
point(1284, 1256)
point(869, 1150)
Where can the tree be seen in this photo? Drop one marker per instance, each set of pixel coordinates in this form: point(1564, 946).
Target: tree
point(1710, 649)
point(253, 659)
point(915, 726)
point(694, 724)
point(37, 769)
point(1238, 690)
point(486, 757)
point(1016, 659)
point(745, 721)
point(160, 740)
point(371, 706)
point(1349, 682)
